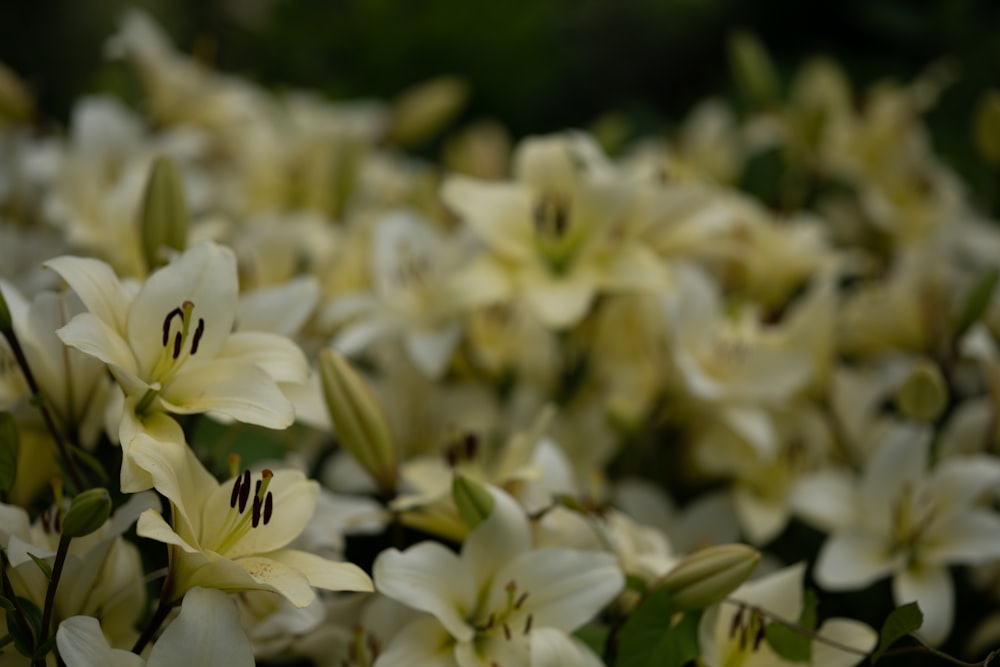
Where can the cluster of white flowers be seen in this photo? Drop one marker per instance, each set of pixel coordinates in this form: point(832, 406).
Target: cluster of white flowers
point(533, 383)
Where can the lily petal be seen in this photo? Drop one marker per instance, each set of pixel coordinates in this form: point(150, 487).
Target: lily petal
point(82, 644)
point(430, 578)
point(323, 573)
point(97, 286)
point(851, 560)
point(206, 634)
point(278, 356)
point(931, 588)
point(421, 643)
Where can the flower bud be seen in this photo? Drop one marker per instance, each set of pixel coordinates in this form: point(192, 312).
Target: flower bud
point(88, 512)
point(986, 127)
point(9, 450)
point(358, 419)
point(6, 321)
point(924, 394)
point(473, 500)
point(16, 105)
point(424, 109)
point(752, 68)
point(707, 576)
point(164, 220)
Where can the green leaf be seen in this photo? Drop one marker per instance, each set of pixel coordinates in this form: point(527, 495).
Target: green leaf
point(787, 641)
point(594, 635)
point(9, 448)
point(652, 637)
point(42, 565)
point(977, 301)
point(6, 604)
point(92, 463)
point(901, 622)
point(24, 640)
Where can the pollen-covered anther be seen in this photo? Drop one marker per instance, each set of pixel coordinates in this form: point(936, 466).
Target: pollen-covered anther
point(527, 623)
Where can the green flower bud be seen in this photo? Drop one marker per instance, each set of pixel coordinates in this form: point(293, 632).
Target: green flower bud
point(986, 127)
point(88, 512)
point(164, 220)
point(426, 108)
point(707, 576)
point(473, 500)
point(752, 68)
point(9, 450)
point(6, 321)
point(924, 394)
point(358, 419)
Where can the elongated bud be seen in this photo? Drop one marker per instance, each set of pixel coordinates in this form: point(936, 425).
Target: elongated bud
point(164, 220)
point(986, 127)
point(423, 110)
point(707, 576)
point(358, 419)
point(752, 68)
point(924, 394)
point(88, 512)
point(472, 499)
point(9, 450)
point(16, 105)
point(6, 321)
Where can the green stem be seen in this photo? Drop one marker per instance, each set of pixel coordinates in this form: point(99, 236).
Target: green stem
point(39, 400)
point(159, 616)
point(50, 593)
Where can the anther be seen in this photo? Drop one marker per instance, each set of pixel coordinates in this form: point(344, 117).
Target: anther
point(268, 507)
point(520, 600)
point(527, 623)
point(759, 637)
point(198, 332)
point(506, 631)
point(244, 490)
point(166, 323)
point(471, 443)
point(256, 511)
point(235, 495)
point(737, 622)
point(178, 339)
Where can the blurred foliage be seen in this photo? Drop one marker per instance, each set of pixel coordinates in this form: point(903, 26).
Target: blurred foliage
point(536, 65)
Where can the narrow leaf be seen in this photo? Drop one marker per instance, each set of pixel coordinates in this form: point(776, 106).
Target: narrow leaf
point(9, 448)
point(901, 622)
point(42, 565)
point(975, 304)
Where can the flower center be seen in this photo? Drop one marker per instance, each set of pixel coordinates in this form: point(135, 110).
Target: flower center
point(239, 521)
point(179, 342)
point(554, 241)
point(911, 515)
point(503, 619)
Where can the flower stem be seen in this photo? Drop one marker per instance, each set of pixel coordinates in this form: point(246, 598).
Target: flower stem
point(39, 400)
point(50, 593)
point(8, 591)
point(158, 617)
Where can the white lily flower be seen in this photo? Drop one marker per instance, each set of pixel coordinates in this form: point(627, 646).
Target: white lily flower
point(557, 235)
point(906, 520)
point(231, 537)
point(207, 633)
point(731, 637)
point(498, 602)
point(172, 348)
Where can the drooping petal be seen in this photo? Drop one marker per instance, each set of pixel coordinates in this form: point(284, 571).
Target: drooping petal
point(232, 388)
point(969, 538)
point(565, 587)
point(959, 482)
point(206, 634)
point(322, 573)
point(846, 632)
point(278, 356)
point(281, 309)
point(825, 499)
point(430, 578)
point(97, 286)
point(559, 302)
point(91, 335)
point(552, 648)
point(852, 560)
point(82, 644)
point(501, 213)
point(931, 588)
point(422, 643)
point(205, 275)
